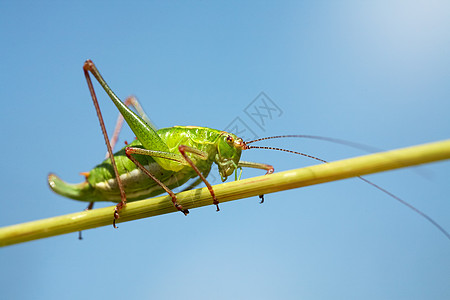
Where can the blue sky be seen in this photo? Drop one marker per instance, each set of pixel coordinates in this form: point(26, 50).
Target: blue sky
point(371, 72)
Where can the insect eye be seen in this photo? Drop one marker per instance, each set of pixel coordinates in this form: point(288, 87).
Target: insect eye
point(230, 139)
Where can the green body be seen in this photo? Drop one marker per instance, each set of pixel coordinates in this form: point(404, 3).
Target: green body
point(159, 153)
point(101, 184)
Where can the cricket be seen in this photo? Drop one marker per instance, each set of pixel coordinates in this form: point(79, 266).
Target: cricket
point(160, 160)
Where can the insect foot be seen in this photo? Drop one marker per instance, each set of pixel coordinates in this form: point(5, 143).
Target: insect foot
point(117, 209)
point(262, 199)
point(180, 208)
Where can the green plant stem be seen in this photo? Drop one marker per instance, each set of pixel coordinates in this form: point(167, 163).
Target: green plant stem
point(251, 187)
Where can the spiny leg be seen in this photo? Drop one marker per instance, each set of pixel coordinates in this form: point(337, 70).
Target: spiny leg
point(183, 149)
point(90, 67)
point(182, 159)
point(130, 101)
point(131, 150)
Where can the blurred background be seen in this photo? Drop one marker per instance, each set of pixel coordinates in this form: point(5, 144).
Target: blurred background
point(373, 72)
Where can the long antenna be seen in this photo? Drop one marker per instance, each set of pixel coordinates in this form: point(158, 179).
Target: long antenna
point(355, 145)
point(323, 138)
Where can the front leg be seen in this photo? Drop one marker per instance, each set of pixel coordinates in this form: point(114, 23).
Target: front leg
point(269, 170)
point(249, 164)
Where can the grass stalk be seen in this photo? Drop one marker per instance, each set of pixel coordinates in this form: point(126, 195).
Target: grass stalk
point(230, 191)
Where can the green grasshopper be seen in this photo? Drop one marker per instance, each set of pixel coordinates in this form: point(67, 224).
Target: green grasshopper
point(161, 160)
point(157, 161)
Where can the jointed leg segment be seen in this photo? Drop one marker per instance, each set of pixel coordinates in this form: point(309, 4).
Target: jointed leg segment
point(269, 170)
point(148, 135)
point(90, 67)
point(183, 149)
point(131, 150)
